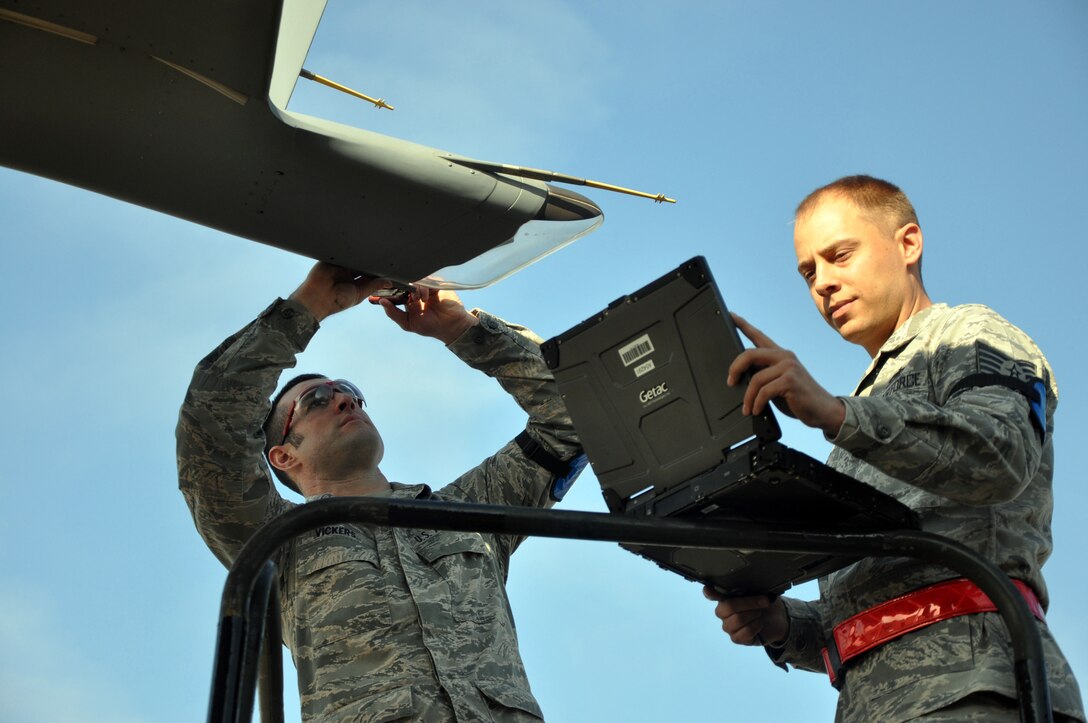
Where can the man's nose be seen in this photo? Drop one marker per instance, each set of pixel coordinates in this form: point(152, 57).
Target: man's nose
point(345, 401)
point(825, 283)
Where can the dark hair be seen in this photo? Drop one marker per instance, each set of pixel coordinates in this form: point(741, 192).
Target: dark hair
point(869, 194)
point(273, 427)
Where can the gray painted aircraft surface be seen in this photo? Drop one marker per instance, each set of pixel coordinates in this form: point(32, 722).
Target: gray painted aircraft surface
point(181, 107)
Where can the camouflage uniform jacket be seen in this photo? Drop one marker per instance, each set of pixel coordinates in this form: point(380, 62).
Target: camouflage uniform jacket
point(382, 623)
point(971, 461)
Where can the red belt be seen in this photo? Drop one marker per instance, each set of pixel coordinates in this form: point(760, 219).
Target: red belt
point(907, 613)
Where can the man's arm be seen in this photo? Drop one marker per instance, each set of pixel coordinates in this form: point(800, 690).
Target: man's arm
point(983, 439)
point(220, 441)
point(510, 354)
point(979, 444)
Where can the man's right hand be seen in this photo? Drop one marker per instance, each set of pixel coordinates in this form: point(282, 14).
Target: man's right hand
point(755, 620)
point(431, 312)
point(329, 289)
point(780, 377)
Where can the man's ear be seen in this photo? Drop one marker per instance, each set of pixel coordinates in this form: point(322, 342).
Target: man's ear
point(909, 239)
point(282, 458)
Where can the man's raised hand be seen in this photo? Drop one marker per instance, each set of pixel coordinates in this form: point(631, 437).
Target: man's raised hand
point(431, 312)
point(329, 289)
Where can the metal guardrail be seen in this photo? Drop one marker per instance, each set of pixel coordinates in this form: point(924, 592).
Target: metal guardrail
point(250, 607)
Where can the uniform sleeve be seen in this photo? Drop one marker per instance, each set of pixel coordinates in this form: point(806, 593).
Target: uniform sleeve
point(220, 443)
point(980, 438)
point(806, 639)
point(511, 355)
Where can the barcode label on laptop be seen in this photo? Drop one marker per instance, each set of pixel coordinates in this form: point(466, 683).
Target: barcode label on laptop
point(640, 347)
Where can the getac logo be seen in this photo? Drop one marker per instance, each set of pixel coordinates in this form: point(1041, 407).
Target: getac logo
point(648, 395)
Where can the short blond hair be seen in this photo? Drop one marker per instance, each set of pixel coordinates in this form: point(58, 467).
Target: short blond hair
point(875, 195)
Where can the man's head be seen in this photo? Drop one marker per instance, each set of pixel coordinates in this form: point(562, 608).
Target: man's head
point(319, 427)
point(859, 249)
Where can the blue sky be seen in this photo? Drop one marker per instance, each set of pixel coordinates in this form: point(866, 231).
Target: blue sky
point(108, 598)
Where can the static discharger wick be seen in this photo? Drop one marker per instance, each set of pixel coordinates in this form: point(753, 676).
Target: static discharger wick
point(378, 102)
point(541, 175)
point(657, 198)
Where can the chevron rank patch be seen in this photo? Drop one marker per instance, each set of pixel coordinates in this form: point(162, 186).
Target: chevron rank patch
point(992, 361)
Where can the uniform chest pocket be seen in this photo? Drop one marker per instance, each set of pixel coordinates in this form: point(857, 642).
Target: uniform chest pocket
point(467, 564)
point(342, 593)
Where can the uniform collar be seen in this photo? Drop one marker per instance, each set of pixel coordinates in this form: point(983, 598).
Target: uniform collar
point(418, 491)
point(905, 333)
point(899, 339)
point(396, 489)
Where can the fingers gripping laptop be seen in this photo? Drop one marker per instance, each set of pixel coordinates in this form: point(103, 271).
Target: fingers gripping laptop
point(644, 381)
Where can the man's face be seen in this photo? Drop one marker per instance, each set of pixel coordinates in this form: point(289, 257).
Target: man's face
point(334, 428)
point(858, 270)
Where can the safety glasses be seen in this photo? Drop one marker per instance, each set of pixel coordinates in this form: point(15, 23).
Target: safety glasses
point(319, 395)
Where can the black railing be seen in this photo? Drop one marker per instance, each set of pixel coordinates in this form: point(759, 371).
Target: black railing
point(250, 607)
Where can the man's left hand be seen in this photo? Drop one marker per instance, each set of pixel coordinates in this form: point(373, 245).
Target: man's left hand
point(431, 312)
point(780, 377)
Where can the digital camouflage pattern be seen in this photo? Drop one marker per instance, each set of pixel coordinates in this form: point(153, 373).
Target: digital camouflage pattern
point(977, 469)
point(383, 623)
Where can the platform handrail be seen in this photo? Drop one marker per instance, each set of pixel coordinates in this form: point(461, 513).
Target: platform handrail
point(248, 595)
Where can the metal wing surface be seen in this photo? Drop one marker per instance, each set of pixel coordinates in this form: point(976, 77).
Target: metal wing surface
point(181, 107)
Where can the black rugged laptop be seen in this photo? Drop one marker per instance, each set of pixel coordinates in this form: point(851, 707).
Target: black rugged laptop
point(644, 381)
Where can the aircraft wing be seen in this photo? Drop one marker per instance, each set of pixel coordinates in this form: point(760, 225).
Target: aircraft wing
point(181, 107)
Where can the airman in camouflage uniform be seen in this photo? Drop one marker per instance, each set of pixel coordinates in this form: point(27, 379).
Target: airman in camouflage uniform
point(383, 624)
point(942, 422)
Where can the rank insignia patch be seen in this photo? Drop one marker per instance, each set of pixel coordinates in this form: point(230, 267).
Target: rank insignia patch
point(992, 361)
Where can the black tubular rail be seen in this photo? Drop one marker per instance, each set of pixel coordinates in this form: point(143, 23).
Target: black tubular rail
point(250, 606)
